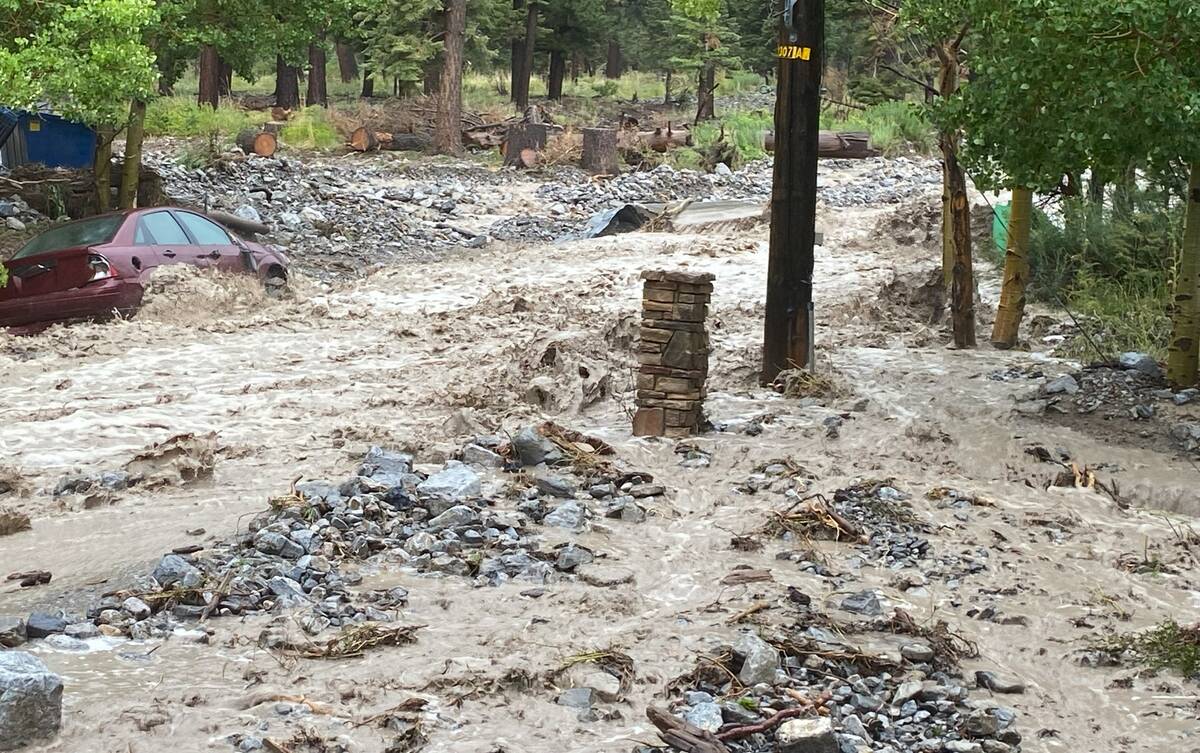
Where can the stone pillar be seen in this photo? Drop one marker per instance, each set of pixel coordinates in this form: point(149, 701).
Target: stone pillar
point(672, 354)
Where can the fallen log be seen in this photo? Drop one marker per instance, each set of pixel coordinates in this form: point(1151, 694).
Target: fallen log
point(834, 144)
point(364, 140)
point(242, 225)
point(403, 142)
point(262, 143)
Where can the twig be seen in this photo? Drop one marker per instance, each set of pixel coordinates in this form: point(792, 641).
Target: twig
point(746, 730)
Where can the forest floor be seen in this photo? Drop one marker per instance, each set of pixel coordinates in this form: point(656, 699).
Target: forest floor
point(430, 351)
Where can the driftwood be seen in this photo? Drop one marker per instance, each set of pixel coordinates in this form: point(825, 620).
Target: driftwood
point(835, 144)
point(240, 224)
point(262, 143)
point(683, 735)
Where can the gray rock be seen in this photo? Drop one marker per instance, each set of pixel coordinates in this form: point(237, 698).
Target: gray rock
point(759, 660)
point(853, 725)
point(604, 576)
point(14, 224)
point(906, 691)
point(455, 481)
point(706, 716)
point(422, 542)
point(455, 517)
point(555, 486)
point(607, 687)
point(572, 556)
point(567, 515)
point(639, 491)
point(997, 684)
point(61, 642)
point(385, 466)
point(12, 632)
point(980, 723)
point(41, 624)
point(444, 563)
point(864, 603)
point(532, 448)
point(473, 454)
point(288, 591)
point(247, 212)
point(30, 700)
point(1183, 397)
point(174, 569)
point(1142, 362)
point(136, 608)
point(806, 736)
point(8, 209)
point(1064, 384)
point(82, 630)
point(962, 746)
point(917, 652)
point(577, 698)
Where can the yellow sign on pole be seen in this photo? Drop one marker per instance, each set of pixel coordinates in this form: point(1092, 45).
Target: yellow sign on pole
point(794, 52)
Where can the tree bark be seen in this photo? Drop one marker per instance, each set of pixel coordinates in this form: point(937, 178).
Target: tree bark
point(368, 85)
point(318, 86)
point(558, 71)
point(600, 151)
point(1184, 353)
point(1016, 271)
point(957, 241)
point(706, 106)
point(521, 79)
point(102, 170)
point(431, 71)
point(210, 76)
point(347, 61)
point(613, 66)
point(447, 135)
point(287, 84)
point(226, 83)
point(522, 144)
point(576, 65)
point(134, 135)
point(667, 88)
point(517, 57)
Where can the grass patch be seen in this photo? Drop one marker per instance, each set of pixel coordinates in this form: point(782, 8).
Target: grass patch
point(311, 128)
point(743, 129)
point(895, 127)
point(182, 117)
point(1166, 646)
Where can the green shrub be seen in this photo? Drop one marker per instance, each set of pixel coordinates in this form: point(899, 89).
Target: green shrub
point(1167, 646)
point(895, 127)
point(182, 117)
point(310, 129)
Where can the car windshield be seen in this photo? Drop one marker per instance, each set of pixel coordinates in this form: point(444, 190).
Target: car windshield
point(81, 233)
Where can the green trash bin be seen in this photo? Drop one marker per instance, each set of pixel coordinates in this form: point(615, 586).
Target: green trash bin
point(1000, 227)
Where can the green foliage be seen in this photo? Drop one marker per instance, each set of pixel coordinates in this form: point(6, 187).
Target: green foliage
point(182, 117)
point(744, 130)
point(1167, 646)
point(895, 127)
point(86, 58)
point(310, 129)
point(397, 39)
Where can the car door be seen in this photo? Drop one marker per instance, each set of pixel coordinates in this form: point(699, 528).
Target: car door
point(213, 246)
point(171, 244)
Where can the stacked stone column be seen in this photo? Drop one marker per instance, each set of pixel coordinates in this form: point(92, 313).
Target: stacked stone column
point(672, 354)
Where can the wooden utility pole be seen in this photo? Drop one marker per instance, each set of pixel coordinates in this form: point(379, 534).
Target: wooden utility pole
point(788, 333)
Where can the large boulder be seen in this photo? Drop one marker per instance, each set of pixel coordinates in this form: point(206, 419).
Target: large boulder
point(30, 700)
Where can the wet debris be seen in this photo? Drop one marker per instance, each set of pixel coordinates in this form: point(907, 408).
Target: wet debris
point(352, 641)
point(809, 689)
point(177, 461)
point(801, 383)
point(1167, 646)
point(13, 521)
point(300, 554)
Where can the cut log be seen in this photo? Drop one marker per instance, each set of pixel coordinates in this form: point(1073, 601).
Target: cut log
point(238, 224)
point(262, 143)
point(403, 142)
point(363, 140)
point(522, 144)
point(600, 151)
point(835, 144)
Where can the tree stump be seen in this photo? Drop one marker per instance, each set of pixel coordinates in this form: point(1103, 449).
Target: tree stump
point(600, 151)
point(364, 140)
point(522, 144)
point(262, 143)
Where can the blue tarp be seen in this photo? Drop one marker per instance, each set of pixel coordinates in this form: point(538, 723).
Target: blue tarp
point(50, 139)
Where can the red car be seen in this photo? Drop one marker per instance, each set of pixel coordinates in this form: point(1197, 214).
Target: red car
point(97, 267)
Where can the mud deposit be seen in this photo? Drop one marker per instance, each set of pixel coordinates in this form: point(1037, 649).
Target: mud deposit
point(958, 521)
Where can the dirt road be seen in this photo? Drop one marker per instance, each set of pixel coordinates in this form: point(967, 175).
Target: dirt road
point(421, 357)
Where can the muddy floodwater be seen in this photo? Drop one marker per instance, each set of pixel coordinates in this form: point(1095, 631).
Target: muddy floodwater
point(422, 357)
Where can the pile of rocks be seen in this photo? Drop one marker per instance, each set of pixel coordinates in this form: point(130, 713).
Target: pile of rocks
point(16, 214)
point(338, 217)
point(873, 703)
point(294, 555)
